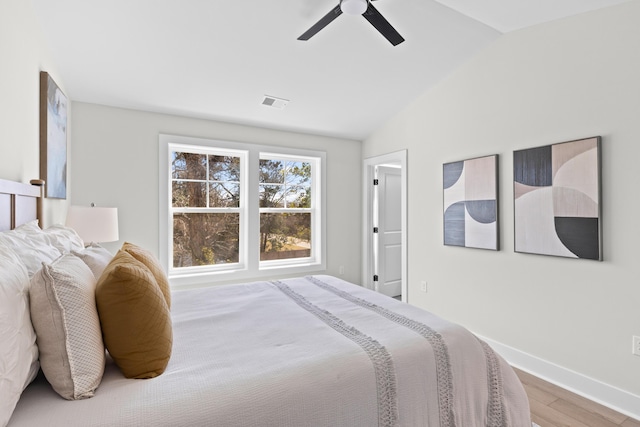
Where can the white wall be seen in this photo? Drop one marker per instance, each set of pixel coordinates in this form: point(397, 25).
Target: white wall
point(23, 54)
point(561, 81)
point(115, 156)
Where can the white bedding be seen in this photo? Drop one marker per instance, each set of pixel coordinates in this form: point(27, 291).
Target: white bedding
point(300, 352)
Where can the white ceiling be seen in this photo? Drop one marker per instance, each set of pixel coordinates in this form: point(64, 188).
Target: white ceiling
point(216, 59)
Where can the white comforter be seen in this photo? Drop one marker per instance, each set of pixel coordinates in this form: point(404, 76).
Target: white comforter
point(301, 352)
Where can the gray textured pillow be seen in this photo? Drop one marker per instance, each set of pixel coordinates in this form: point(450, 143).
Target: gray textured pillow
point(96, 257)
point(65, 318)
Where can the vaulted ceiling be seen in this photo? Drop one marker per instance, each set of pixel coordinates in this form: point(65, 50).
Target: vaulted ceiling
point(217, 59)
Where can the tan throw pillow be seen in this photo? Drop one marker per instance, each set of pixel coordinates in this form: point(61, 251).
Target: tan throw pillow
point(135, 318)
point(147, 258)
point(64, 316)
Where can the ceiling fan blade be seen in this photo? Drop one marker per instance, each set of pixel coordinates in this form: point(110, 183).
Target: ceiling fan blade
point(326, 20)
point(377, 20)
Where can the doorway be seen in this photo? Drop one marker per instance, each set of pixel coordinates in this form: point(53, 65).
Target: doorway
point(385, 224)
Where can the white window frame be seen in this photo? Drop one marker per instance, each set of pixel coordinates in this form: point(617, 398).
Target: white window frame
point(249, 265)
point(241, 210)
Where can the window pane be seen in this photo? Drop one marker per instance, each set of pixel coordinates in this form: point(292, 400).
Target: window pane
point(271, 196)
point(299, 197)
point(224, 195)
point(299, 173)
point(281, 196)
point(224, 168)
point(285, 236)
point(298, 185)
point(205, 239)
point(271, 171)
point(189, 194)
point(188, 166)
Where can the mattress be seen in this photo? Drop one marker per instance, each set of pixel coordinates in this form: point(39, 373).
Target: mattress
point(309, 351)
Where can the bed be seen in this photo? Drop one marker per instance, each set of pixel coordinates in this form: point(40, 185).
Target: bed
point(306, 351)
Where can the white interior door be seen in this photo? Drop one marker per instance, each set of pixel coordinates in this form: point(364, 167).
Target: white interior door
point(388, 248)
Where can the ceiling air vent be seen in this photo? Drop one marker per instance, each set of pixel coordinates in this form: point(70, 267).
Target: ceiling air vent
point(272, 101)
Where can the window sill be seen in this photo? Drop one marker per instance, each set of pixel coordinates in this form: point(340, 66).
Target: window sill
point(214, 278)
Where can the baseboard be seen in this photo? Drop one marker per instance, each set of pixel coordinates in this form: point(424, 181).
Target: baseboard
point(619, 400)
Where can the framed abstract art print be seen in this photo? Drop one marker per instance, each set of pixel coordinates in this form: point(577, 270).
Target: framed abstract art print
point(557, 199)
point(53, 138)
point(470, 191)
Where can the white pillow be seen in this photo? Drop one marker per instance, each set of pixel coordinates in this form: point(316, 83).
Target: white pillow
point(64, 239)
point(96, 257)
point(69, 338)
point(31, 245)
point(32, 232)
point(18, 351)
point(29, 227)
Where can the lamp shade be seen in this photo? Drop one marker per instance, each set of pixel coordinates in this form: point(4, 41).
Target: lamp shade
point(94, 224)
point(354, 7)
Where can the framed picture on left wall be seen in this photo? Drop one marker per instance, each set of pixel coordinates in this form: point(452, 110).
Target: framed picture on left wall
point(53, 137)
point(470, 192)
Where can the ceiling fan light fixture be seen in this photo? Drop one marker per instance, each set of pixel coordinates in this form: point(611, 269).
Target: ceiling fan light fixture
point(353, 7)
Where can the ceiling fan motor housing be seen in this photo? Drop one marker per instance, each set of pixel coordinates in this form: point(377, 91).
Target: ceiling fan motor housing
point(353, 7)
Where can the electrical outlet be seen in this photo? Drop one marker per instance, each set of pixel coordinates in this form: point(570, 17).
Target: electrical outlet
point(342, 270)
point(636, 346)
point(423, 285)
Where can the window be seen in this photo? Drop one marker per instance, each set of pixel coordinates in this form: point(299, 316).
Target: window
point(246, 210)
point(285, 208)
point(205, 205)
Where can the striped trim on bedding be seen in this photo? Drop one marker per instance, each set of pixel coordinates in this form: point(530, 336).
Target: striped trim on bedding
point(495, 407)
point(378, 354)
point(443, 365)
point(496, 412)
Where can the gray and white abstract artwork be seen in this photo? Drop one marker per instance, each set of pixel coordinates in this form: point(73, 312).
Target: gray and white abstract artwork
point(471, 203)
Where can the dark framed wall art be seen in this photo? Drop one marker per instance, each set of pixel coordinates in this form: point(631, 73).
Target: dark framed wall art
point(470, 192)
point(557, 199)
point(53, 137)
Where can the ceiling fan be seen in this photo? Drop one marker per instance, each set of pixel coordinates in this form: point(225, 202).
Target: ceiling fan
point(357, 7)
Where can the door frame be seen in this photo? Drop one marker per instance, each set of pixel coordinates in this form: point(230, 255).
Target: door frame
point(368, 171)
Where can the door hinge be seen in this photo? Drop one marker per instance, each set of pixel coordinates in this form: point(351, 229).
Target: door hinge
point(375, 277)
point(375, 182)
point(375, 229)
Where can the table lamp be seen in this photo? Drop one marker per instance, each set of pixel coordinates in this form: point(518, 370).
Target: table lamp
point(94, 224)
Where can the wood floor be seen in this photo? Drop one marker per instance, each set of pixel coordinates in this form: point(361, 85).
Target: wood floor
point(552, 406)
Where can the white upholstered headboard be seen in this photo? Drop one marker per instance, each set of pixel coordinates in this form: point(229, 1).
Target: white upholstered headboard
point(19, 203)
